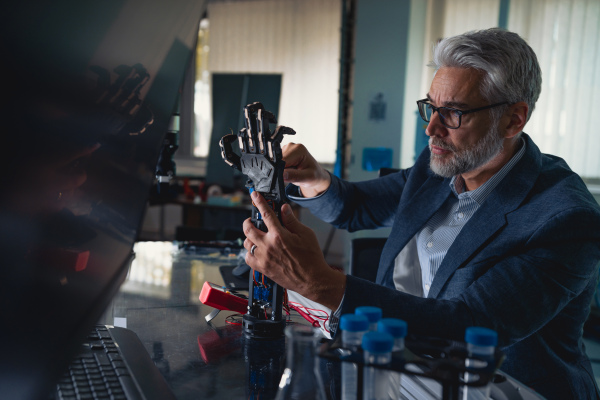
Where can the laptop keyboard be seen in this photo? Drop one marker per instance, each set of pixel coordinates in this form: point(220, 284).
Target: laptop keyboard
point(102, 372)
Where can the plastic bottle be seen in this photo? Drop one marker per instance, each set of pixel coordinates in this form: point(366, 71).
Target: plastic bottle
point(353, 328)
point(373, 314)
point(397, 328)
point(301, 378)
point(481, 342)
point(377, 385)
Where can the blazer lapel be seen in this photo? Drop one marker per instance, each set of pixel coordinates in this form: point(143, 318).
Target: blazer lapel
point(491, 216)
point(482, 225)
point(411, 216)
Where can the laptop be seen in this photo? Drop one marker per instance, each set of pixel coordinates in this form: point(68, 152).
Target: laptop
point(87, 92)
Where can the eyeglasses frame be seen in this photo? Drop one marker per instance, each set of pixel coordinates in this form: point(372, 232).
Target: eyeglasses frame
point(460, 112)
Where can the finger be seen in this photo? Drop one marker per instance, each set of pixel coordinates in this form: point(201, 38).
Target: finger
point(253, 234)
point(268, 215)
point(248, 245)
point(250, 258)
point(290, 221)
point(296, 156)
point(298, 176)
point(290, 154)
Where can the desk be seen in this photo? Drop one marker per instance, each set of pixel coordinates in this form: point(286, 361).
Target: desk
point(159, 302)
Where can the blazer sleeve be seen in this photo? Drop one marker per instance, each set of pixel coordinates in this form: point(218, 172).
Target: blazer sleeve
point(516, 295)
point(354, 206)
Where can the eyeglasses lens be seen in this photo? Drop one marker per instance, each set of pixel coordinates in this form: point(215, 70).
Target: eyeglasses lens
point(425, 111)
point(450, 118)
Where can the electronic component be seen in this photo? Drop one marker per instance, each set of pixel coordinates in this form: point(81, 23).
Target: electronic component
point(221, 298)
point(261, 160)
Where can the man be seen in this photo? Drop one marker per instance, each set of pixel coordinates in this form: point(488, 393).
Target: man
point(486, 230)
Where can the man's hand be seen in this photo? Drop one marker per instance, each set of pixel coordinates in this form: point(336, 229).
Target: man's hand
point(304, 171)
point(292, 257)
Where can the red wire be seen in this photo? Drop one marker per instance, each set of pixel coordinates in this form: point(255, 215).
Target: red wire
point(298, 307)
point(307, 317)
point(307, 310)
point(230, 319)
point(285, 302)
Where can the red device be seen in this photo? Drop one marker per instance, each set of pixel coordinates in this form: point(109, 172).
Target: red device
point(221, 298)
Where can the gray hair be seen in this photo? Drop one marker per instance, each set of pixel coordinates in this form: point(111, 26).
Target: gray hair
point(510, 66)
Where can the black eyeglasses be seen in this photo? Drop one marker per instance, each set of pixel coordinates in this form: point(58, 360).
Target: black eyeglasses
point(450, 117)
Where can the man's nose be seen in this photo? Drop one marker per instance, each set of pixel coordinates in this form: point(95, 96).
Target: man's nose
point(435, 126)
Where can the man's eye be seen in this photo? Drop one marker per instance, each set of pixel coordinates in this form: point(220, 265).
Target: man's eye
point(449, 113)
point(446, 113)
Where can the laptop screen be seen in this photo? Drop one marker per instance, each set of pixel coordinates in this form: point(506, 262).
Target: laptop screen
point(88, 89)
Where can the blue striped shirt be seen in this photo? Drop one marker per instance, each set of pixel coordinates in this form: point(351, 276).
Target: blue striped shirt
point(438, 234)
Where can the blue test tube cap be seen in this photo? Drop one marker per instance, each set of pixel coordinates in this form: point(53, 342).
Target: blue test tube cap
point(373, 314)
point(354, 323)
point(479, 336)
point(394, 326)
point(377, 342)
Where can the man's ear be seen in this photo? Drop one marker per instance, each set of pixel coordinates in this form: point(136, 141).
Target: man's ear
point(517, 114)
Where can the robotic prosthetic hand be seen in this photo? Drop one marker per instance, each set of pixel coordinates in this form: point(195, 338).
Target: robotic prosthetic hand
point(261, 161)
point(261, 157)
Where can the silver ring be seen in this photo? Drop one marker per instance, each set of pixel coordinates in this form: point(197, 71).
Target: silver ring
point(253, 248)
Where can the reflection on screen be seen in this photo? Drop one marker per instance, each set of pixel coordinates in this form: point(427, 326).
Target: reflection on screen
point(88, 89)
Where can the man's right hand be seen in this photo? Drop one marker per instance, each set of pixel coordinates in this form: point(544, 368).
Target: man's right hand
point(304, 171)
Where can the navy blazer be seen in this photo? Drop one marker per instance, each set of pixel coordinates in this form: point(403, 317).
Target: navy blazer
point(525, 264)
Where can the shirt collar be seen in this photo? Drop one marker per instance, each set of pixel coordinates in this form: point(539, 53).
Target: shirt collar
point(457, 183)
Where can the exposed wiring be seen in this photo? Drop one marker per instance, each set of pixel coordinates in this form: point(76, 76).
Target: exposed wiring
point(309, 315)
point(286, 305)
point(234, 319)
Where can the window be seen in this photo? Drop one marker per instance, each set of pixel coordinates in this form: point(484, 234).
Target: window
point(565, 37)
point(300, 40)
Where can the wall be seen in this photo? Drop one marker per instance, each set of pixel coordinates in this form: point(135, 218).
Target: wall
point(381, 48)
point(418, 51)
point(385, 62)
point(299, 40)
point(380, 66)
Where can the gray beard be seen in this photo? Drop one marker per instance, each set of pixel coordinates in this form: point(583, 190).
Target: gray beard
point(488, 147)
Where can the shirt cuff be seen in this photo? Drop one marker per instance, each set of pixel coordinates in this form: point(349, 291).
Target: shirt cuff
point(334, 318)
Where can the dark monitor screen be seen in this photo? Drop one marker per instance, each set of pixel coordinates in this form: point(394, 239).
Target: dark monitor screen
point(88, 89)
